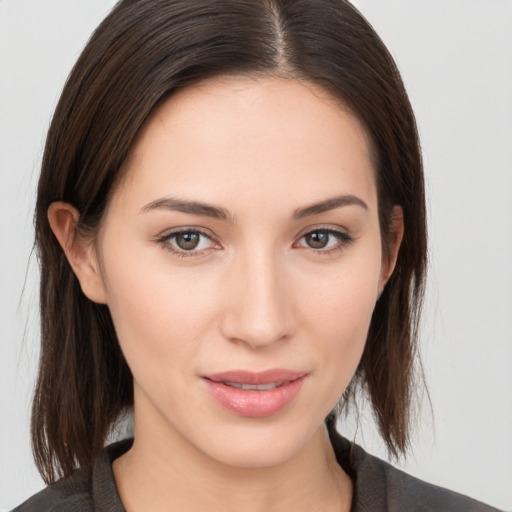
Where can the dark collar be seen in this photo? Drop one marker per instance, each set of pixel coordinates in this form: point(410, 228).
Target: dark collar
point(368, 474)
point(104, 491)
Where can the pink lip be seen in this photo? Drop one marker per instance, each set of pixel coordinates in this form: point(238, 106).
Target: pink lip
point(255, 403)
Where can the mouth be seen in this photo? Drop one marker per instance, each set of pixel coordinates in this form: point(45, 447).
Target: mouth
point(274, 377)
point(254, 394)
point(260, 387)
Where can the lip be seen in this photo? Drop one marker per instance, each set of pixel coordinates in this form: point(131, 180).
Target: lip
point(254, 403)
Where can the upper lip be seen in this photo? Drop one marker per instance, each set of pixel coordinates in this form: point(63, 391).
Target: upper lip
point(251, 377)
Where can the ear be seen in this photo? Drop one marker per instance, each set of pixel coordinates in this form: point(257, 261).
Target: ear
point(79, 251)
point(396, 234)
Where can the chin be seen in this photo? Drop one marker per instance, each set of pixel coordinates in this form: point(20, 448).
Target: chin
point(258, 443)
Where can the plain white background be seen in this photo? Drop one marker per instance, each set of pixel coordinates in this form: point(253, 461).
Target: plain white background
point(456, 60)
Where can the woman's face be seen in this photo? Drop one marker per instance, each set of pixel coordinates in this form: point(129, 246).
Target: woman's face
point(241, 260)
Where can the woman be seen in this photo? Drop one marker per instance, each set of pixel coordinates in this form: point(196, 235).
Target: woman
point(231, 227)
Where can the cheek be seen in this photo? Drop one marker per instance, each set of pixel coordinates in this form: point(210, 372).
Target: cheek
point(344, 296)
point(159, 316)
point(337, 314)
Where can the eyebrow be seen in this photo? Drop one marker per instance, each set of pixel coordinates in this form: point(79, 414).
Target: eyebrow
point(215, 212)
point(328, 205)
point(193, 207)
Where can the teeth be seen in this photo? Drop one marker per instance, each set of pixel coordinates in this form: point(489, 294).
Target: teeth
point(260, 387)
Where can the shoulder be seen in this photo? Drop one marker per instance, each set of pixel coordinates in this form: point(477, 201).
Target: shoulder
point(82, 492)
point(380, 487)
point(407, 492)
point(71, 494)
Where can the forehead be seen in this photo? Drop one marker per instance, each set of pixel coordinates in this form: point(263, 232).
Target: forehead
point(270, 136)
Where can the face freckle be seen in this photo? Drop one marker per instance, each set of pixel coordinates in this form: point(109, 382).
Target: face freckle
point(230, 162)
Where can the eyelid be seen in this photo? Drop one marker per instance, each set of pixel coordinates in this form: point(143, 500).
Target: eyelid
point(341, 230)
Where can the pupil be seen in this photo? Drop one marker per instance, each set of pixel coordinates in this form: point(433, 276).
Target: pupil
point(317, 240)
point(187, 241)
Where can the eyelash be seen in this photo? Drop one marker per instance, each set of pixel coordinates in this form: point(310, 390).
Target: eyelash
point(343, 241)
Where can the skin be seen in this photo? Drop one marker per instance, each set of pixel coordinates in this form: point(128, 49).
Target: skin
point(253, 295)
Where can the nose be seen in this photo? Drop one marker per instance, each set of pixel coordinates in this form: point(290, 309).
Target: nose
point(260, 302)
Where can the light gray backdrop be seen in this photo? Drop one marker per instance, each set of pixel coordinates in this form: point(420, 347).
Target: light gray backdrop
point(456, 60)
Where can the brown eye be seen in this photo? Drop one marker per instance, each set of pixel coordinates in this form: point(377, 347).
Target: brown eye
point(317, 239)
point(187, 241)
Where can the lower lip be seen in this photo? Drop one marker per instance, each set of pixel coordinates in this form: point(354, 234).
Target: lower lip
point(253, 403)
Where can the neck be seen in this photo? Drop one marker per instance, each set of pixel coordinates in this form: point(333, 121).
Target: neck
point(163, 472)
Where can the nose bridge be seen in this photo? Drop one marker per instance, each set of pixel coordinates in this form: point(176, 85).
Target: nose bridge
point(260, 311)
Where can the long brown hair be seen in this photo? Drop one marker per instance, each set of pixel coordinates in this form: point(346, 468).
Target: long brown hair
point(140, 54)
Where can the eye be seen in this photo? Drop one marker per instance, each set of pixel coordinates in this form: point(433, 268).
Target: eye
point(325, 240)
point(186, 242)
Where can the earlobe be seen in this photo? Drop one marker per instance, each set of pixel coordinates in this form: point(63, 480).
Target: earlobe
point(396, 234)
point(79, 251)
